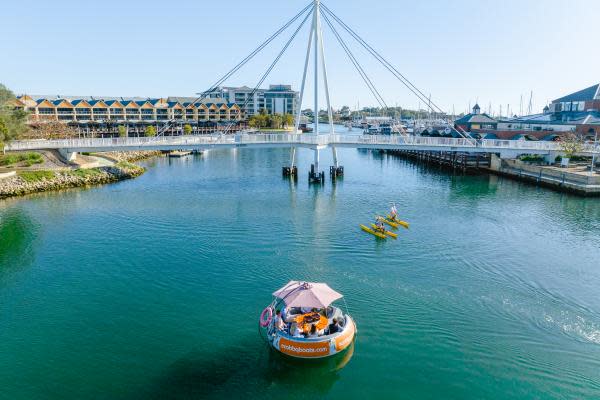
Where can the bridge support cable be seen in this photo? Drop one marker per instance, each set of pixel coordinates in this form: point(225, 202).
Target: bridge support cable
point(390, 67)
point(256, 51)
point(249, 57)
point(273, 64)
point(416, 91)
point(357, 65)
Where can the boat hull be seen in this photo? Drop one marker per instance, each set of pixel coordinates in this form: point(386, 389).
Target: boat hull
point(372, 232)
point(388, 233)
point(326, 346)
point(401, 223)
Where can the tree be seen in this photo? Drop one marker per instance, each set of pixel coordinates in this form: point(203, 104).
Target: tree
point(276, 121)
point(122, 131)
point(571, 144)
point(187, 129)
point(259, 121)
point(3, 133)
point(150, 131)
point(5, 95)
point(13, 121)
point(288, 120)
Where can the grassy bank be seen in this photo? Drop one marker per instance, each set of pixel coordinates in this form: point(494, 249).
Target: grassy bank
point(27, 182)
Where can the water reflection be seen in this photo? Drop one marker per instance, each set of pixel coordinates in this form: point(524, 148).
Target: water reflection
point(249, 367)
point(17, 234)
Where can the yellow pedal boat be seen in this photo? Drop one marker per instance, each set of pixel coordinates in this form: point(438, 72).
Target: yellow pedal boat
point(390, 234)
point(390, 223)
point(372, 232)
point(398, 222)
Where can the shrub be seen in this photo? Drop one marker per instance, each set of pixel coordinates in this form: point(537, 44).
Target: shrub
point(533, 158)
point(150, 131)
point(187, 129)
point(571, 144)
point(84, 172)
point(27, 158)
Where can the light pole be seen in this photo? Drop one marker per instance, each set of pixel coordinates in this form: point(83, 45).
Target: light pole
point(594, 153)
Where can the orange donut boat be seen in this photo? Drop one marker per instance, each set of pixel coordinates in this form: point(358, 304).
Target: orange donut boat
point(303, 305)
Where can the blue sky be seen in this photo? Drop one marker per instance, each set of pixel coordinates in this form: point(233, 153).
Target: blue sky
point(459, 51)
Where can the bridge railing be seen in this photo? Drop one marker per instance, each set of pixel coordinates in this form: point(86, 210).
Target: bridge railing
point(291, 139)
point(400, 140)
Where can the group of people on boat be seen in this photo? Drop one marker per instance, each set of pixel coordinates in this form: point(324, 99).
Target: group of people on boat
point(309, 325)
point(380, 221)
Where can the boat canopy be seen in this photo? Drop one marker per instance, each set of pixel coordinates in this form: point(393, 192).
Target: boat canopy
point(307, 294)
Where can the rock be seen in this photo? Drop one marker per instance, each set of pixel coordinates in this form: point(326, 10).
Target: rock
point(18, 186)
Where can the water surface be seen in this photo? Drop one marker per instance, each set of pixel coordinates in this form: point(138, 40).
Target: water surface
point(151, 288)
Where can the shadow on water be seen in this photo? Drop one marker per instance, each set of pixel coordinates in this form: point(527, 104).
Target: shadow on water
point(247, 368)
point(17, 234)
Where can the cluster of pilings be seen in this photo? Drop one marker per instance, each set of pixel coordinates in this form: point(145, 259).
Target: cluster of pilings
point(336, 172)
point(453, 160)
point(314, 176)
point(290, 172)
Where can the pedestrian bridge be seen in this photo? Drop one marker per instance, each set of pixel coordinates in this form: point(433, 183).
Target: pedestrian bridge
point(258, 140)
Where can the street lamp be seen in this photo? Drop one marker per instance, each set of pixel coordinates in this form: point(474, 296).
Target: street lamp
point(594, 153)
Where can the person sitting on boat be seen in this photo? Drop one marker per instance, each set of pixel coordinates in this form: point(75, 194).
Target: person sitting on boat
point(393, 213)
point(296, 331)
point(334, 327)
point(380, 225)
point(279, 323)
point(285, 315)
point(313, 331)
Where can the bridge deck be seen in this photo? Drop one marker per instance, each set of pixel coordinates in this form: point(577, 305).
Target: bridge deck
point(392, 142)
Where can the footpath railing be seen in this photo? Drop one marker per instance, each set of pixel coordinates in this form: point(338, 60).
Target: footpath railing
point(546, 174)
point(459, 144)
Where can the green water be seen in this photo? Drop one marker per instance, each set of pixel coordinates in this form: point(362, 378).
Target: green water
point(152, 288)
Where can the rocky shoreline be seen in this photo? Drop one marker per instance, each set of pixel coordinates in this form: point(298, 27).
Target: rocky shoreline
point(23, 184)
point(131, 156)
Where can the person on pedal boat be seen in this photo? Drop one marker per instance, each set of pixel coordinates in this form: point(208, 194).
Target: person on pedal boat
point(379, 224)
point(393, 213)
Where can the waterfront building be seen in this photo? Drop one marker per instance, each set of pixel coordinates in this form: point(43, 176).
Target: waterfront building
point(277, 99)
point(85, 110)
point(578, 112)
point(476, 121)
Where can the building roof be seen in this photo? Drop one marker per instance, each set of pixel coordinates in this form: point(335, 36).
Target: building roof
point(196, 100)
point(476, 119)
point(565, 118)
point(586, 94)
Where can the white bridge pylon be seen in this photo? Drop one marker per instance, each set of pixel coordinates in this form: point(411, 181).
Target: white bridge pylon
point(315, 43)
